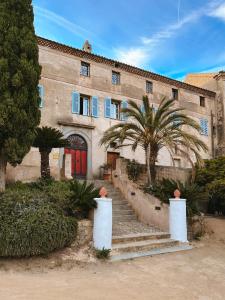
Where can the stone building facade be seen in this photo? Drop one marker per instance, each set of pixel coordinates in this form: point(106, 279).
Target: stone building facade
point(82, 94)
point(214, 82)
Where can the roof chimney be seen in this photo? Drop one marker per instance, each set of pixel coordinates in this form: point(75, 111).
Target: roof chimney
point(87, 47)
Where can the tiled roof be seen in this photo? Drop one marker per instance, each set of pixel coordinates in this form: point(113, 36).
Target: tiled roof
point(116, 64)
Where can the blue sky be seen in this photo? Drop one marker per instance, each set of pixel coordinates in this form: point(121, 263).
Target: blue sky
point(169, 37)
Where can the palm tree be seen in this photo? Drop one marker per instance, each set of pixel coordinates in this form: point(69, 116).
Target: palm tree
point(46, 139)
point(167, 127)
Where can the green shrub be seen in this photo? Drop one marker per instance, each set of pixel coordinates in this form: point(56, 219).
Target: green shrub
point(216, 192)
point(192, 192)
point(75, 198)
point(103, 253)
point(134, 169)
point(82, 198)
point(214, 169)
point(32, 227)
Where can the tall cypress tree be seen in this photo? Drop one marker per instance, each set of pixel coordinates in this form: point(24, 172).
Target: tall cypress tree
point(19, 77)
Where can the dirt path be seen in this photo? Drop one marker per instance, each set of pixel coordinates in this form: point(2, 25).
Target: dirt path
point(195, 274)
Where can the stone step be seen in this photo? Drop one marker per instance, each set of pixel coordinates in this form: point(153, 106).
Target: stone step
point(123, 212)
point(152, 252)
point(123, 218)
point(119, 200)
point(139, 237)
point(141, 246)
point(118, 206)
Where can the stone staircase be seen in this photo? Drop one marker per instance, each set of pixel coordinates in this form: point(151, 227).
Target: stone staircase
point(131, 238)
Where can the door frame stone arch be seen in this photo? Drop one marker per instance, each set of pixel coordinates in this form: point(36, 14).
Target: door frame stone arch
point(86, 135)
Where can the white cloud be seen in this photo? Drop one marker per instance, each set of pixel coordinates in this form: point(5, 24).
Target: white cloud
point(172, 29)
point(132, 56)
point(214, 69)
point(218, 12)
point(141, 54)
point(62, 22)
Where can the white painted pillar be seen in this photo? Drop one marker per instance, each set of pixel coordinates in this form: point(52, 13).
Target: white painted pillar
point(178, 220)
point(68, 166)
point(102, 232)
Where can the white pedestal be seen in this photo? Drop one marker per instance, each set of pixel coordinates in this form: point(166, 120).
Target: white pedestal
point(177, 220)
point(102, 232)
point(68, 166)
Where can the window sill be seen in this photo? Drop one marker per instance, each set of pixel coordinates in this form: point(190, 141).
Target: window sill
point(85, 76)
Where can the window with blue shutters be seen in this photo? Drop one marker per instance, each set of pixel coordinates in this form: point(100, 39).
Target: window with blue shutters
point(41, 95)
point(107, 107)
point(75, 103)
point(124, 104)
point(94, 106)
point(204, 127)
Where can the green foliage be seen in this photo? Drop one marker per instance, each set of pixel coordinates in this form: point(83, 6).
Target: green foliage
point(32, 227)
point(103, 253)
point(47, 138)
point(214, 169)
point(82, 198)
point(192, 192)
point(134, 169)
point(216, 191)
point(168, 127)
point(19, 78)
point(75, 198)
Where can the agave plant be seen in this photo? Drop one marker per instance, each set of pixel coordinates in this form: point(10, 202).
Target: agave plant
point(82, 198)
point(167, 127)
point(46, 139)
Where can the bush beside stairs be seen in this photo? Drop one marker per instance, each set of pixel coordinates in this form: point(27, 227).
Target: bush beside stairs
point(131, 238)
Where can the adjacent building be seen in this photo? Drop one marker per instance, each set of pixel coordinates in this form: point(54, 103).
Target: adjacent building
point(82, 95)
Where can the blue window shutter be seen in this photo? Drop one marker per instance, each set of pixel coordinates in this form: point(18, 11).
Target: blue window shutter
point(107, 107)
point(75, 103)
point(41, 95)
point(142, 108)
point(204, 127)
point(124, 104)
point(94, 106)
point(155, 109)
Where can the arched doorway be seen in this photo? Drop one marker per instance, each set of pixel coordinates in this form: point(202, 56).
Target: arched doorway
point(78, 150)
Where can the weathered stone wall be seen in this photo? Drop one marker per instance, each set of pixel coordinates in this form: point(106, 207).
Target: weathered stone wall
point(174, 173)
point(84, 233)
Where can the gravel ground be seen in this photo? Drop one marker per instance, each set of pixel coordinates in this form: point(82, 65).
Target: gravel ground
point(195, 274)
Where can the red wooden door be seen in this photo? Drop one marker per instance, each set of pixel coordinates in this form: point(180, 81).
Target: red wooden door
point(78, 151)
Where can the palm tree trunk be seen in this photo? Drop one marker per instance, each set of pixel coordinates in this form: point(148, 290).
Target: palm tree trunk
point(147, 153)
point(45, 167)
point(3, 164)
point(152, 171)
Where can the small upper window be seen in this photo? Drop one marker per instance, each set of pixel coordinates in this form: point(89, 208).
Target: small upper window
point(202, 101)
point(85, 69)
point(149, 87)
point(115, 78)
point(174, 94)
